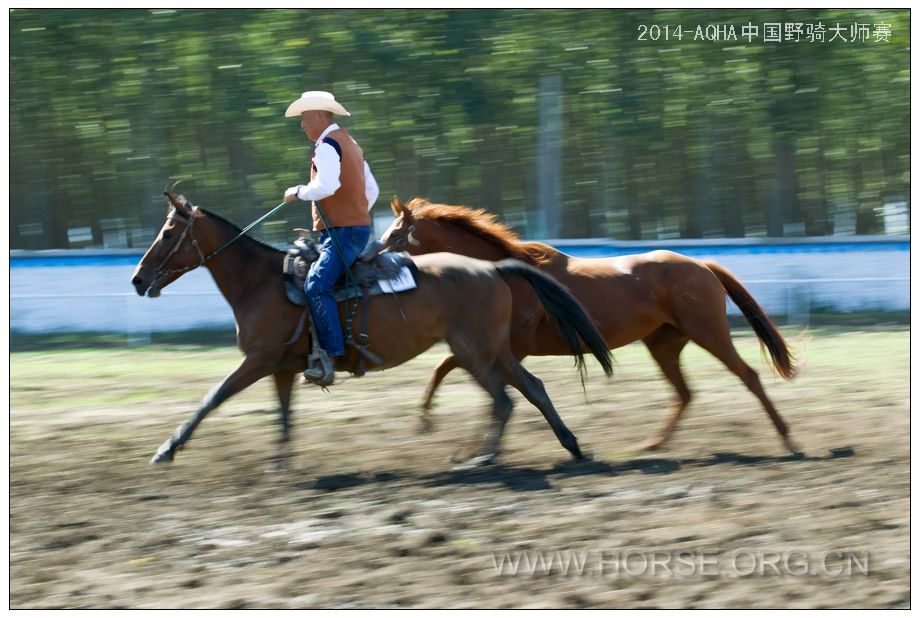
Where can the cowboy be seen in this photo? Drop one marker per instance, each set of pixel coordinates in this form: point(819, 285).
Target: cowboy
point(343, 191)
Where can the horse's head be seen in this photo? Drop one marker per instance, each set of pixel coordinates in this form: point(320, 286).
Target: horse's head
point(174, 251)
point(406, 233)
point(424, 227)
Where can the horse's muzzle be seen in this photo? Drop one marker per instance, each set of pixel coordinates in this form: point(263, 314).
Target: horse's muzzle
point(146, 286)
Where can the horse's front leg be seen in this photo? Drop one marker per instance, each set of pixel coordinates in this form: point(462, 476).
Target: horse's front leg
point(250, 371)
point(284, 383)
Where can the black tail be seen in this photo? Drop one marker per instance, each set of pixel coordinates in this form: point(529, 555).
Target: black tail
point(569, 317)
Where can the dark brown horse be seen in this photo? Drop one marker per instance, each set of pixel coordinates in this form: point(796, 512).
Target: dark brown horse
point(663, 298)
point(464, 301)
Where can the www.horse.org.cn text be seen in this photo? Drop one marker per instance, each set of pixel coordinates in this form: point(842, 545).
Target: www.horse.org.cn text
point(681, 563)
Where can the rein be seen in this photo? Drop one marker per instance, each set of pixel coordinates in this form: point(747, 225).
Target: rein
point(175, 215)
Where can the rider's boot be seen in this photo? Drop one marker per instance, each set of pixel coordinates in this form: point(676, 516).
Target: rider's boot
point(320, 370)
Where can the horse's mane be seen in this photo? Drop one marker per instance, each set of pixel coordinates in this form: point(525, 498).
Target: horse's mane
point(237, 230)
point(484, 225)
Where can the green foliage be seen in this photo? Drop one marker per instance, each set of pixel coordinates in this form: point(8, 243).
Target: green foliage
point(677, 138)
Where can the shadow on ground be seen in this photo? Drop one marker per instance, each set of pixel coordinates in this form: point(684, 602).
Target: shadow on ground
point(518, 478)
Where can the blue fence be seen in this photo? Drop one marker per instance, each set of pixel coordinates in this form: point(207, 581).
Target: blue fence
point(78, 291)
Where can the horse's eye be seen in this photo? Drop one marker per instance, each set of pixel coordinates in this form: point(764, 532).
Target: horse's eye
point(167, 234)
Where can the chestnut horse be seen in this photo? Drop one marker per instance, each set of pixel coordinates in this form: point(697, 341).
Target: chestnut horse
point(465, 301)
point(663, 298)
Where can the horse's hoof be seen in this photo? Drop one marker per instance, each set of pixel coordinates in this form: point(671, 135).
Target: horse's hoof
point(463, 454)
point(652, 444)
point(475, 462)
point(425, 425)
point(164, 455)
point(792, 447)
point(575, 450)
point(277, 467)
point(280, 463)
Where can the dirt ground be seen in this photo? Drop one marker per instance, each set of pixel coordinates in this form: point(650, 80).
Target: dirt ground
point(370, 514)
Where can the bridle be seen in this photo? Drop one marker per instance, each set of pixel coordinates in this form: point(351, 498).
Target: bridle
point(409, 239)
point(189, 220)
point(175, 215)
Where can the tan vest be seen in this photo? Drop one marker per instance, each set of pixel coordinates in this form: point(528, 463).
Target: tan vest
point(348, 205)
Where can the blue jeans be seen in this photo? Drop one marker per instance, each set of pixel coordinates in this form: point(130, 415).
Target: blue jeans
point(324, 273)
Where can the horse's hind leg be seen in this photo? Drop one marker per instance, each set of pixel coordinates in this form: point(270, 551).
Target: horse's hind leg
point(714, 336)
point(736, 364)
point(447, 365)
point(532, 388)
point(501, 409)
point(665, 346)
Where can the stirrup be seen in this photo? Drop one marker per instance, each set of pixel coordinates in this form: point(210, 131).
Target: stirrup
point(320, 370)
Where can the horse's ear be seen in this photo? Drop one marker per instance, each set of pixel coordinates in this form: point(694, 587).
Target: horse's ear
point(400, 209)
point(178, 202)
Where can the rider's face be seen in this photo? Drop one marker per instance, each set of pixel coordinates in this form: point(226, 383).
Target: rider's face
point(313, 122)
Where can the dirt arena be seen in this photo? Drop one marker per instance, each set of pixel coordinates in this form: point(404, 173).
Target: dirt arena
point(370, 514)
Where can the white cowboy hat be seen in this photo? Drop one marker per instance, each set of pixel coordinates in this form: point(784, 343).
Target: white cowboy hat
point(316, 99)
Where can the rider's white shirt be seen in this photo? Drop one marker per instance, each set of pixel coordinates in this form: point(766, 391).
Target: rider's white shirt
point(328, 170)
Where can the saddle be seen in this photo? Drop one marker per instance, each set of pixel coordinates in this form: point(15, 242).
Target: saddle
point(372, 273)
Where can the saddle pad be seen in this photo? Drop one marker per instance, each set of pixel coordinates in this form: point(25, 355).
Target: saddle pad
point(403, 282)
point(400, 283)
